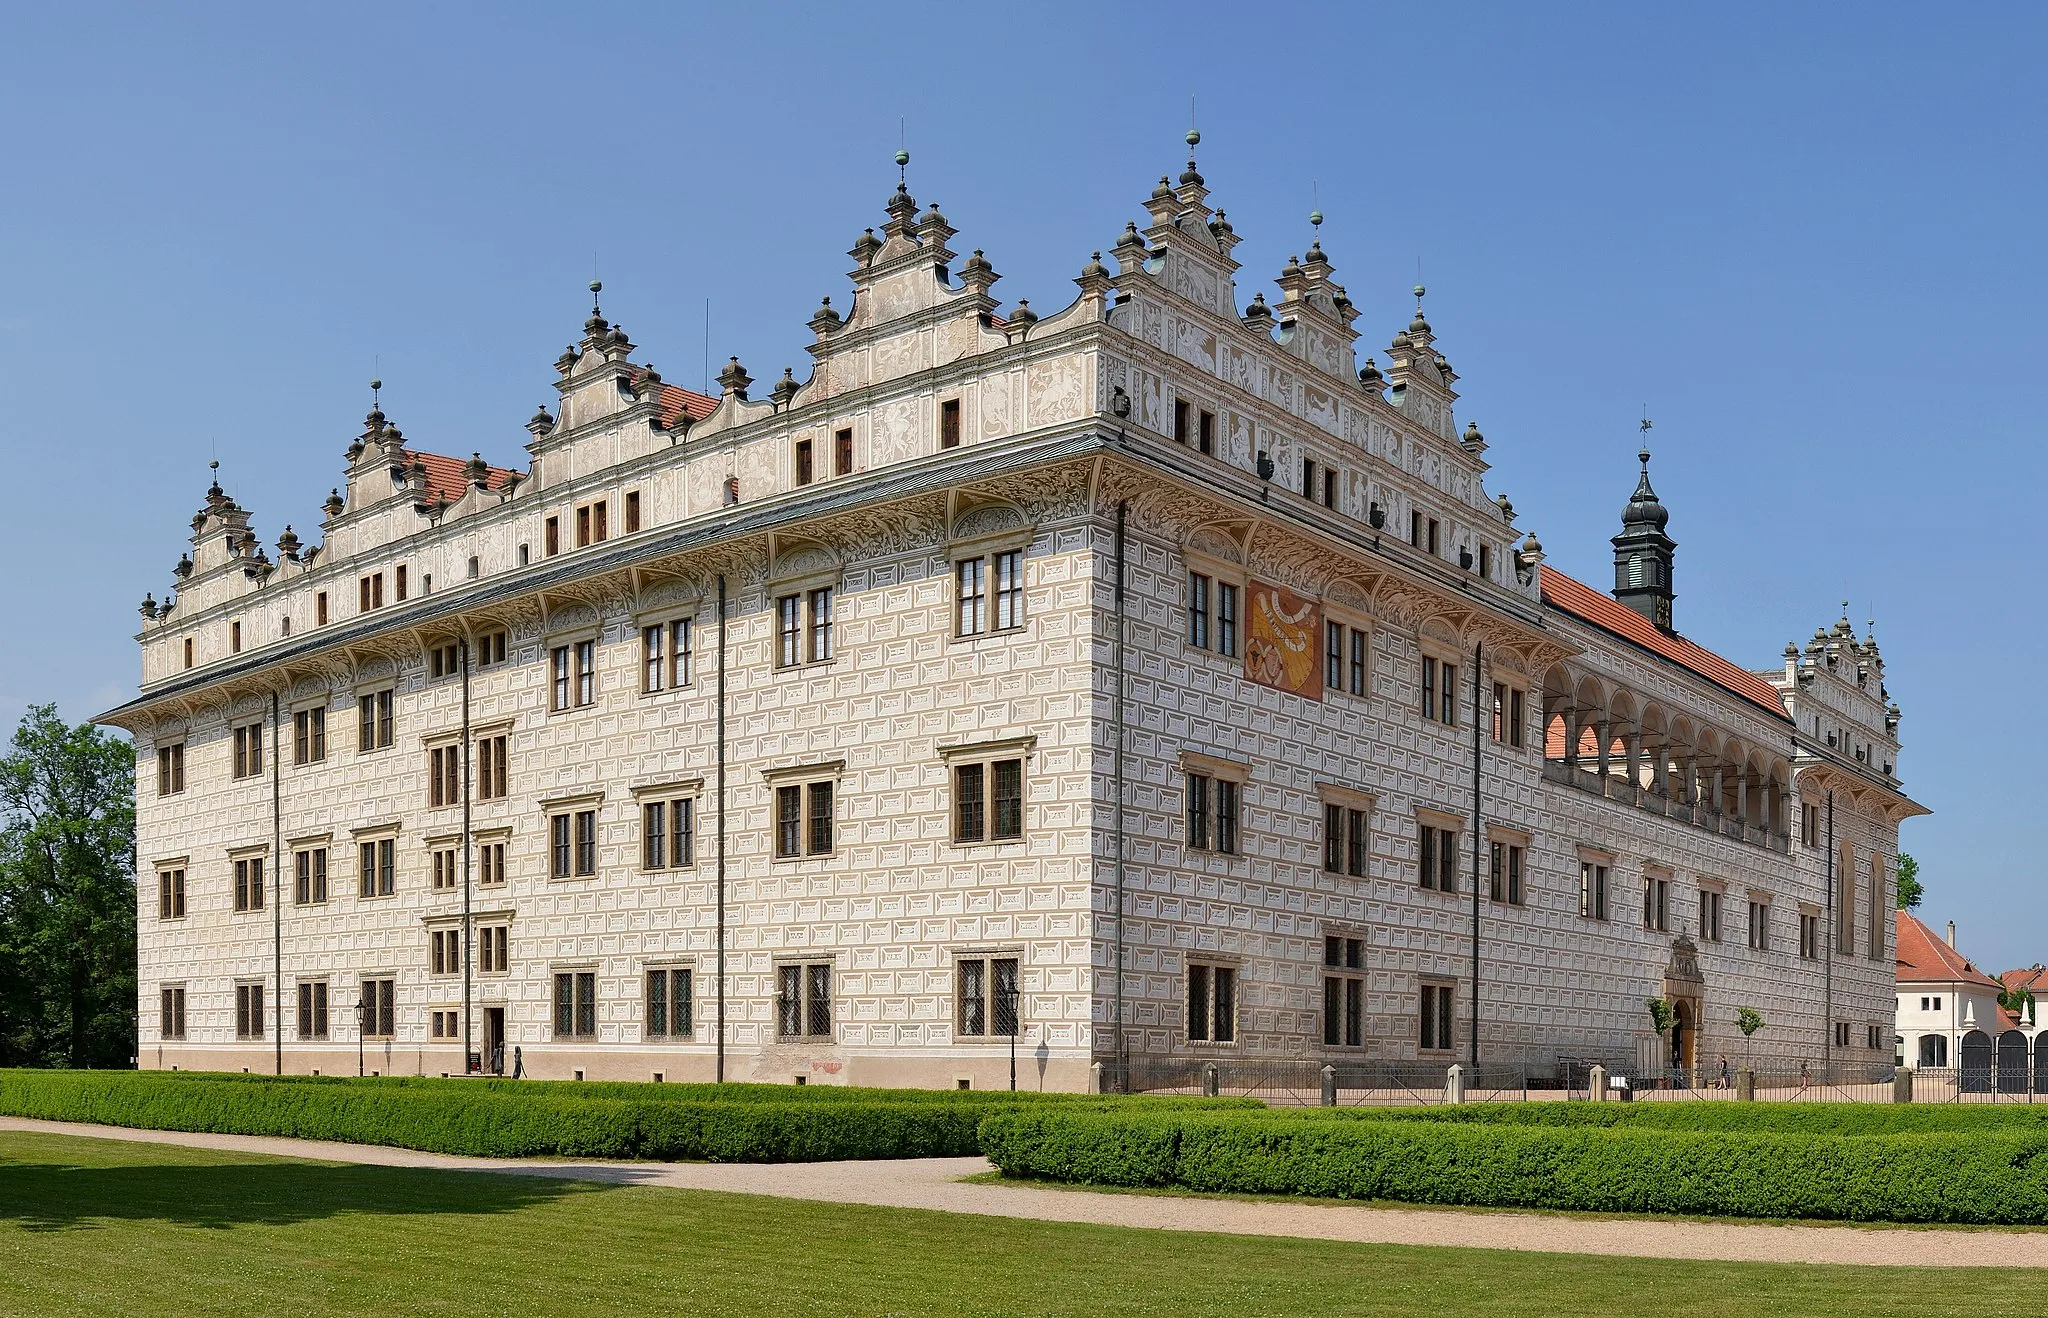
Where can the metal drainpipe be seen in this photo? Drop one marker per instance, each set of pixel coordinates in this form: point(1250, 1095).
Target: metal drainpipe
point(721, 829)
point(1828, 991)
point(277, 877)
point(1478, 684)
point(468, 918)
point(1117, 767)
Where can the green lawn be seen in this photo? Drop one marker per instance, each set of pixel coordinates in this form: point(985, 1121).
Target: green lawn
point(93, 1226)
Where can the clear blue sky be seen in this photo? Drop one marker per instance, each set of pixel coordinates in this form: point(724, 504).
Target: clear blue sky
point(1808, 238)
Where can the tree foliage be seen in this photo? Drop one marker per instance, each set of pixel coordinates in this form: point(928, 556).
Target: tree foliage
point(1910, 891)
point(67, 895)
point(1662, 1017)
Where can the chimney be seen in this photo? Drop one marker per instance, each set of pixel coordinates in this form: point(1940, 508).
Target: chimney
point(1951, 933)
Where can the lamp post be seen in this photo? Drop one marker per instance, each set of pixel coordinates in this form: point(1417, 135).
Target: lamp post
point(1008, 1001)
point(359, 1033)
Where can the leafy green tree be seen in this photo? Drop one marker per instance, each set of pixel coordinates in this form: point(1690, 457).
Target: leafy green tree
point(1910, 891)
point(67, 895)
point(1749, 1022)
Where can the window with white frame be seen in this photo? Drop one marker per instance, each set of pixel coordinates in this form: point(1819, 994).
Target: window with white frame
point(170, 769)
point(1760, 925)
point(803, 627)
point(572, 843)
point(1439, 690)
point(373, 720)
point(1809, 945)
point(444, 951)
point(171, 1023)
point(444, 862)
point(1710, 915)
point(1656, 901)
point(490, 863)
point(1345, 650)
point(1510, 714)
point(309, 735)
point(249, 883)
point(1437, 851)
point(1212, 614)
point(1506, 856)
point(170, 893)
point(1212, 1002)
point(494, 949)
point(493, 777)
point(248, 742)
point(309, 876)
point(1593, 887)
point(1347, 832)
point(1212, 802)
point(444, 776)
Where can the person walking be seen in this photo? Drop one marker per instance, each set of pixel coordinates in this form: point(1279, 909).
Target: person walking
point(518, 1063)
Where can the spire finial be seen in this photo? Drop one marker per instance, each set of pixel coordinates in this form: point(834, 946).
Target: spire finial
point(376, 388)
point(903, 153)
point(596, 287)
point(1643, 453)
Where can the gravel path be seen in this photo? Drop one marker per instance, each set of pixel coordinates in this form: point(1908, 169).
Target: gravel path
point(935, 1183)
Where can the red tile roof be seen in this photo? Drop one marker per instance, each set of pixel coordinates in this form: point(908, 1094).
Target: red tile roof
point(1588, 605)
point(677, 402)
point(1925, 958)
point(448, 478)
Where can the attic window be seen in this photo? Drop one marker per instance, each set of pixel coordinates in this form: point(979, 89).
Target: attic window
point(1206, 434)
point(842, 453)
point(472, 567)
point(320, 609)
point(732, 490)
point(805, 471)
point(632, 511)
point(1180, 420)
point(949, 423)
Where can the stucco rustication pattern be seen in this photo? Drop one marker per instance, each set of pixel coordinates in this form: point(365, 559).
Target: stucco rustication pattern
point(938, 429)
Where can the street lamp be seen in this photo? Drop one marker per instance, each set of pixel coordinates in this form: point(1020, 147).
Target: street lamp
point(1006, 1020)
point(359, 1034)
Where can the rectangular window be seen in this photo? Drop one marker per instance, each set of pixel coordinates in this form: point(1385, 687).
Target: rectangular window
point(1226, 619)
point(1198, 811)
point(309, 876)
point(1841, 1034)
point(1344, 840)
point(1226, 816)
point(373, 721)
point(444, 951)
point(1212, 1003)
point(188, 652)
point(671, 1003)
point(1592, 890)
point(805, 472)
point(668, 834)
point(249, 883)
point(493, 768)
point(1308, 478)
point(971, 595)
point(170, 895)
point(320, 608)
point(1809, 942)
point(313, 1009)
point(820, 601)
point(1329, 488)
point(170, 769)
point(789, 631)
point(377, 868)
point(1436, 1018)
point(490, 863)
point(632, 511)
point(1009, 583)
point(248, 1011)
point(591, 527)
point(1518, 717)
point(1180, 420)
point(573, 675)
point(444, 776)
point(1358, 662)
point(378, 1006)
point(801, 831)
point(447, 873)
point(842, 453)
point(1333, 838)
point(1447, 701)
point(171, 1024)
point(803, 1000)
point(1205, 435)
point(370, 592)
point(988, 801)
point(490, 649)
point(1333, 655)
point(1656, 903)
point(234, 638)
point(1433, 536)
point(552, 540)
point(669, 652)
point(494, 949)
point(1198, 610)
point(1809, 825)
point(1343, 992)
point(398, 582)
point(949, 423)
point(1504, 873)
point(309, 736)
point(1710, 915)
point(1439, 859)
point(986, 996)
point(1486, 561)
point(576, 1004)
point(444, 661)
point(248, 750)
point(1428, 687)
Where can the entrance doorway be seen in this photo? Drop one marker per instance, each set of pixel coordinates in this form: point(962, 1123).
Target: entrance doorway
point(1684, 1041)
point(494, 1040)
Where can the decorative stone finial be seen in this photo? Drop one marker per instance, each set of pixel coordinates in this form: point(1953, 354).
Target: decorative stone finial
point(1369, 375)
point(825, 320)
point(1023, 315)
point(734, 379)
point(333, 505)
point(149, 606)
point(785, 388)
point(1258, 317)
point(288, 544)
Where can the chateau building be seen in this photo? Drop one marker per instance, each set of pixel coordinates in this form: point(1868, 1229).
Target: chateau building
point(860, 731)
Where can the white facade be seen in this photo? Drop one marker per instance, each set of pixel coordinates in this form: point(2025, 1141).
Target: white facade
point(1134, 425)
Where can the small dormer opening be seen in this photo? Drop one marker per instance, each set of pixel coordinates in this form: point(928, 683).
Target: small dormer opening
point(472, 567)
point(234, 638)
point(632, 511)
point(732, 490)
point(1329, 488)
point(320, 609)
point(526, 552)
point(188, 652)
point(1486, 561)
point(1308, 478)
point(804, 472)
point(398, 583)
point(285, 627)
point(949, 423)
point(551, 541)
point(1205, 434)
point(1180, 420)
point(842, 452)
point(1434, 536)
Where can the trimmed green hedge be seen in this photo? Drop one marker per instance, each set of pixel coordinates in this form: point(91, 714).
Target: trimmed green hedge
point(769, 1123)
point(1732, 1117)
point(1991, 1177)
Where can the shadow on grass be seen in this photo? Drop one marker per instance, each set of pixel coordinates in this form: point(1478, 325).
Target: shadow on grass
point(52, 1196)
